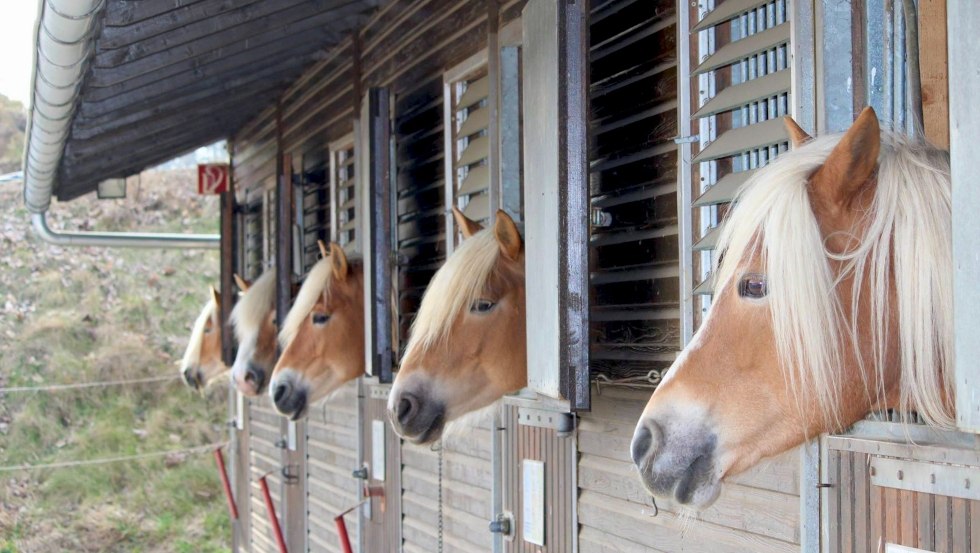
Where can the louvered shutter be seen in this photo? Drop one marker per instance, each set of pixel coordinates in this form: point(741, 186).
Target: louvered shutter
point(634, 327)
point(314, 214)
point(420, 237)
point(343, 182)
point(252, 239)
point(469, 141)
point(744, 79)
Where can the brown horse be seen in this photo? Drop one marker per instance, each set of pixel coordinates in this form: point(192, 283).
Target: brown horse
point(202, 361)
point(254, 321)
point(468, 345)
point(323, 335)
point(833, 299)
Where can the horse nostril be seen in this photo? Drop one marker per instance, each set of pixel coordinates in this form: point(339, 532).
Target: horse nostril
point(645, 440)
point(407, 407)
point(280, 391)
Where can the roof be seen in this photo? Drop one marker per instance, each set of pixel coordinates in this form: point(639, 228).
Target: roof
point(164, 78)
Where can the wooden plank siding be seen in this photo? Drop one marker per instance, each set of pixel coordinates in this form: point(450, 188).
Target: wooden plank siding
point(757, 511)
point(265, 458)
point(865, 517)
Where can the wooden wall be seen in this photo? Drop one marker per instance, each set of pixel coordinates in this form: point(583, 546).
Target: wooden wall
point(758, 512)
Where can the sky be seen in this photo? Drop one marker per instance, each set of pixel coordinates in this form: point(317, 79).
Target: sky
point(17, 19)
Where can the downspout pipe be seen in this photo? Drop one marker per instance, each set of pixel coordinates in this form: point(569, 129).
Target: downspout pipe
point(64, 39)
point(122, 239)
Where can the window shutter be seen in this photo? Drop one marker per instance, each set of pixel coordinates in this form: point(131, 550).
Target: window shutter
point(744, 79)
point(344, 195)
point(469, 117)
point(314, 214)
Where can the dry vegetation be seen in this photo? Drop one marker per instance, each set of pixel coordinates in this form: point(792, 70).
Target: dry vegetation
point(86, 314)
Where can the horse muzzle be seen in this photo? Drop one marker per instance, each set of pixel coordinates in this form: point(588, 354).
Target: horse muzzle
point(290, 395)
point(677, 460)
point(416, 416)
point(193, 377)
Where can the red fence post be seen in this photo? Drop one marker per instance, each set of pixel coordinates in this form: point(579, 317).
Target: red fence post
point(220, 459)
point(273, 520)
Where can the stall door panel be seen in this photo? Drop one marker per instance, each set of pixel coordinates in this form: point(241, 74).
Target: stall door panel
point(381, 455)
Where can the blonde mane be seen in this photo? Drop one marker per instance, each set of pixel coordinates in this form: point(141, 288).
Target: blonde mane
point(249, 312)
point(906, 243)
point(192, 355)
point(316, 285)
point(455, 286)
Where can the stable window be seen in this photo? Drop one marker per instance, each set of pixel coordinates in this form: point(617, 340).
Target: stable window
point(343, 192)
point(742, 92)
point(251, 238)
point(467, 130)
point(313, 212)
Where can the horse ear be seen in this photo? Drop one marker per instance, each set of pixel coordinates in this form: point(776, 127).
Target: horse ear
point(324, 250)
point(242, 284)
point(797, 136)
point(467, 226)
point(850, 164)
point(508, 237)
point(338, 260)
point(215, 296)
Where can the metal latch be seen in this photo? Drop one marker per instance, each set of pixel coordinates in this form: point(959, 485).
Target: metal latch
point(686, 139)
point(360, 474)
point(501, 525)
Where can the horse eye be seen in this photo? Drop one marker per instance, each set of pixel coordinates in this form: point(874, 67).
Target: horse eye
point(482, 306)
point(320, 318)
point(753, 285)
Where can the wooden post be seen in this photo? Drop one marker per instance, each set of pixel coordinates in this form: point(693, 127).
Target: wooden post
point(934, 67)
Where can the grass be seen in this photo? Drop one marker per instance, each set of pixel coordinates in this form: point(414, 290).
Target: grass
point(87, 314)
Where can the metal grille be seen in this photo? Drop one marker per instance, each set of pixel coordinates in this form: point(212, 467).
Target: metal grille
point(469, 117)
point(313, 215)
point(420, 237)
point(345, 190)
point(744, 86)
point(634, 244)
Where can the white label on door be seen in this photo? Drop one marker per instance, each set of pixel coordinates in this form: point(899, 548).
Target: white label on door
point(894, 548)
point(240, 410)
point(533, 496)
point(378, 450)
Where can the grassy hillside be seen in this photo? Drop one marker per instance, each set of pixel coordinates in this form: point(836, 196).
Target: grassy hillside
point(13, 121)
point(85, 314)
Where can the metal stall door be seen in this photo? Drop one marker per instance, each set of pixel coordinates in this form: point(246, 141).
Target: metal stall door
point(883, 494)
point(380, 447)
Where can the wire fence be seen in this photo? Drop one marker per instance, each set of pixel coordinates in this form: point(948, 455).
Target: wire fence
point(107, 460)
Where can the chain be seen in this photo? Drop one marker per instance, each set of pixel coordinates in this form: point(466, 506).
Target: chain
point(440, 497)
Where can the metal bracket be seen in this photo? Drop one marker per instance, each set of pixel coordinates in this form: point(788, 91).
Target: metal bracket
point(360, 474)
point(379, 391)
point(564, 423)
point(290, 474)
point(933, 478)
point(686, 139)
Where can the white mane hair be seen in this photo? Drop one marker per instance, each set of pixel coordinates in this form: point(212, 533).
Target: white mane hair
point(253, 307)
point(315, 286)
point(906, 243)
point(454, 287)
point(192, 355)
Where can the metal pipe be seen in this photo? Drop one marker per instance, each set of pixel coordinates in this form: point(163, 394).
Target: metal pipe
point(122, 239)
point(63, 41)
point(223, 471)
point(342, 534)
point(273, 519)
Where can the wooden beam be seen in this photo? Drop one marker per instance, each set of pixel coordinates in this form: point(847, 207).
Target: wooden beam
point(934, 68)
point(122, 28)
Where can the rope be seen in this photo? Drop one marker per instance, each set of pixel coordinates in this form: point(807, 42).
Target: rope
point(107, 383)
point(107, 460)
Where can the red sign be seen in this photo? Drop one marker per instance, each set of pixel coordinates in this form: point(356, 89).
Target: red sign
point(212, 178)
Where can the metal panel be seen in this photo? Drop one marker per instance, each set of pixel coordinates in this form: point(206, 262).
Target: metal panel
point(964, 136)
point(556, 196)
point(728, 10)
point(738, 95)
point(376, 126)
point(381, 515)
point(747, 47)
point(760, 135)
point(724, 190)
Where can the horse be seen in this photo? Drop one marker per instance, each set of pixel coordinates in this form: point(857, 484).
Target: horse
point(202, 360)
point(468, 345)
point(833, 299)
point(254, 322)
point(322, 337)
